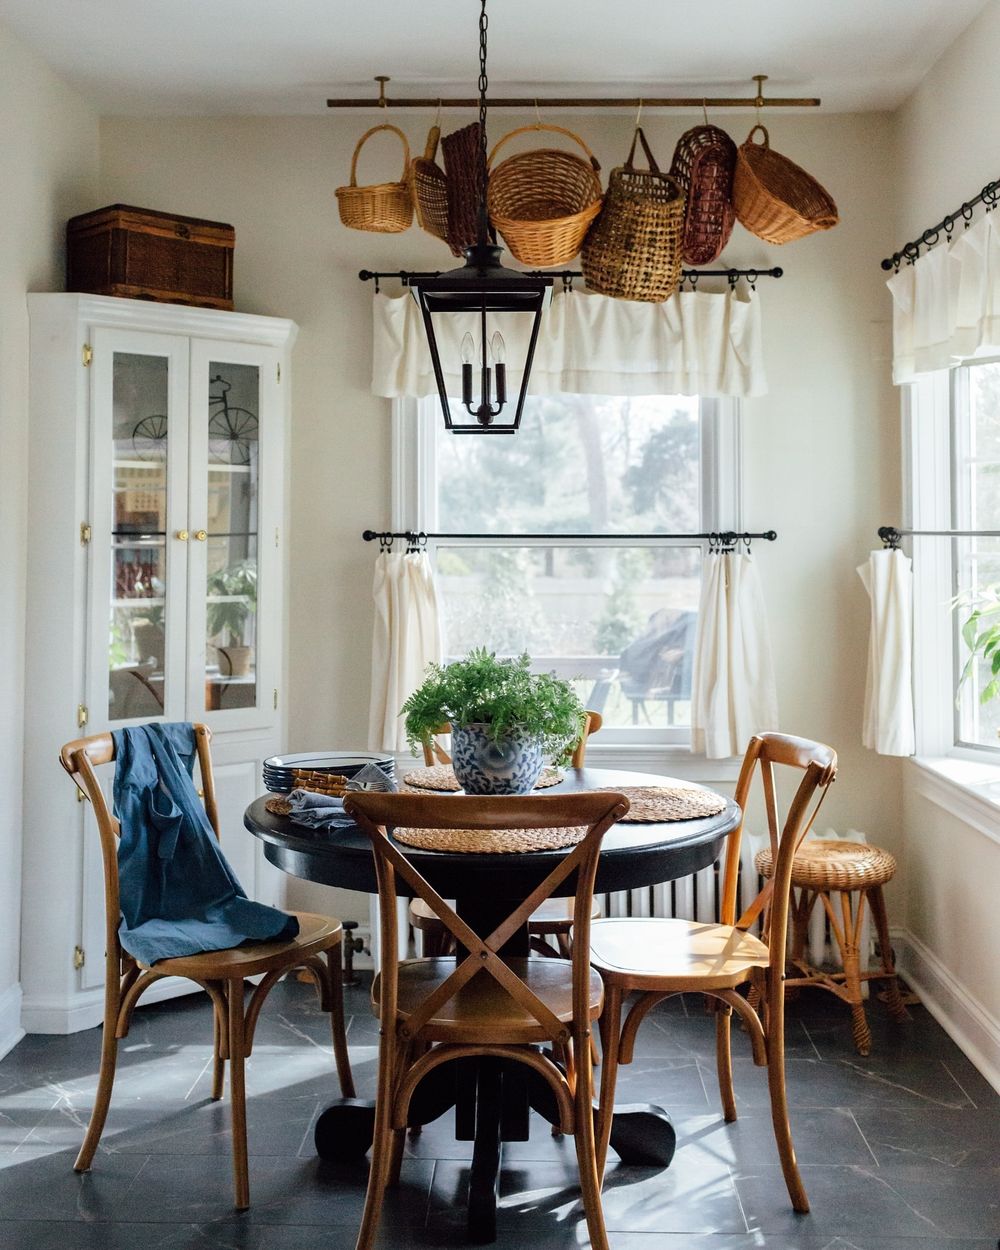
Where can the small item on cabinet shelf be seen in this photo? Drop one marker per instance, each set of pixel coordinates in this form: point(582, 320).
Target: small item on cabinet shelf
point(774, 198)
point(633, 250)
point(140, 253)
point(543, 201)
point(381, 207)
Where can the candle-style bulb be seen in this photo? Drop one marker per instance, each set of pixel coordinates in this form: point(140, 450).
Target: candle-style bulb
point(468, 349)
point(499, 348)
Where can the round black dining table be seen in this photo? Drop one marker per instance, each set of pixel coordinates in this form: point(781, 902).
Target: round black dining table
point(491, 1104)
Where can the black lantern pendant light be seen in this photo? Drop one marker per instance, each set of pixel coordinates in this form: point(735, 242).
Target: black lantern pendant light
point(483, 286)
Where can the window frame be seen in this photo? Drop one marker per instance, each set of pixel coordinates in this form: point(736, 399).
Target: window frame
point(932, 447)
point(414, 437)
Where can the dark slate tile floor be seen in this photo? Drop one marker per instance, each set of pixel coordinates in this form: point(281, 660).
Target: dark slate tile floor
point(900, 1151)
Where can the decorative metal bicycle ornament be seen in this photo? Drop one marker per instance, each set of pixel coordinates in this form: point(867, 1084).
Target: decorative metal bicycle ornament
point(231, 430)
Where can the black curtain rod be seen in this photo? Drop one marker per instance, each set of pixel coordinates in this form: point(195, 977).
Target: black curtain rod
point(990, 195)
point(726, 537)
point(890, 535)
point(567, 275)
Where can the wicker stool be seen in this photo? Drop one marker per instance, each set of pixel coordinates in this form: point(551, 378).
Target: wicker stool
point(820, 870)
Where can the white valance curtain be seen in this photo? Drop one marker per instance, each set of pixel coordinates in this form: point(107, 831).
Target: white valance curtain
point(407, 637)
point(888, 715)
point(946, 305)
point(733, 692)
point(696, 343)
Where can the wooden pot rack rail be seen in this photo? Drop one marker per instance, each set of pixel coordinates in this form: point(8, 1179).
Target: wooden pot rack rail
point(578, 102)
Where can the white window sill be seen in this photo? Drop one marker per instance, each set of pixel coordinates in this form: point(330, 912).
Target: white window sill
point(967, 789)
point(663, 760)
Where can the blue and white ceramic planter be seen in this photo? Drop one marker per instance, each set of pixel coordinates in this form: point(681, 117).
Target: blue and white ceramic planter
point(482, 766)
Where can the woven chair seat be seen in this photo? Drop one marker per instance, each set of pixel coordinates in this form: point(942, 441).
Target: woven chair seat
point(834, 865)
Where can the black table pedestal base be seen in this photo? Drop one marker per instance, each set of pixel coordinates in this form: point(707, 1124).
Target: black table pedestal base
point(345, 1130)
point(641, 1133)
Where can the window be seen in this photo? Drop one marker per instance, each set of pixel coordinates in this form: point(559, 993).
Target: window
point(953, 459)
point(615, 618)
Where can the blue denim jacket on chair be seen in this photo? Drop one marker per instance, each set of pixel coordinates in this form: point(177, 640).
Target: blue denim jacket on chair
point(179, 896)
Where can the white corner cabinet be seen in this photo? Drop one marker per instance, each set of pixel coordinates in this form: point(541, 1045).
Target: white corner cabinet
point(156, 589)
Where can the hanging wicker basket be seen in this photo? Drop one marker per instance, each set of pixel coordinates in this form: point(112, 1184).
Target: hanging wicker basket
point(633, 250)
point(544, 201)
point(703, 166)
point(429, 189)
point(774, 198)
point(385, 207)
point(462, 166)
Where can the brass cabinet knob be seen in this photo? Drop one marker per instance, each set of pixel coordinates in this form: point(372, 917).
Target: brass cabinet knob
point(182, 535)
point(201, 535)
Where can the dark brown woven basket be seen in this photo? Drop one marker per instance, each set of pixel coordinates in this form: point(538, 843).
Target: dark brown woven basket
point(633, 250)
point(544, 201)
point(774, 198)
point(462, 166)
point(429, 189)
point(703, 166)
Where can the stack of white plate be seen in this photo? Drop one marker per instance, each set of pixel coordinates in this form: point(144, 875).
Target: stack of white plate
point(278, 769)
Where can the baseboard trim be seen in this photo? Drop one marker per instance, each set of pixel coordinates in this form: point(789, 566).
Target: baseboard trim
point(951, 1003)
point(11, 1030)
point(39, 1015)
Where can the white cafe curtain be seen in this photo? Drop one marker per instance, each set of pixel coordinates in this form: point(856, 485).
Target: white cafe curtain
point(946, 305)
point(733, 694)
point(695, 343)
point(406, 638)
point(888, 714)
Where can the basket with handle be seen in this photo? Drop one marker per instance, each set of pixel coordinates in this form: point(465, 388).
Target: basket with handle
point(429, 189)
point(544, 201)
point(703, 165)
point(384, 207)
point(633, 250)
point(462, 165)
point(774, 198)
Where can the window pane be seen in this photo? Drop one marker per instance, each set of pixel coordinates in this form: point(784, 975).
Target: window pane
point(978, 564)
point(616, 621)
point(579, 464)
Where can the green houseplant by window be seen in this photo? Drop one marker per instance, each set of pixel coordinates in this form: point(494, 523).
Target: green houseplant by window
point(506, 721)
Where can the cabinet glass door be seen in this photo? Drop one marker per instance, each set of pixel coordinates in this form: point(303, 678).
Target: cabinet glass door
point(230, 447)
point(140, 450)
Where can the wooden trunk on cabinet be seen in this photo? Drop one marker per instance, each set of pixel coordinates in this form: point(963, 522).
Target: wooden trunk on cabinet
point(157, 507)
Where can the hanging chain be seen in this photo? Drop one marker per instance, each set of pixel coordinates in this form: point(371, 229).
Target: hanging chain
point(484, 22)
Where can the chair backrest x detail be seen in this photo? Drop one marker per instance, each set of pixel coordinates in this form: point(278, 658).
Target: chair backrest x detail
point(378, 813)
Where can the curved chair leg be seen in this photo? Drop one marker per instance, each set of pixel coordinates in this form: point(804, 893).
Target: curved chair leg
point(586, 1149)
point(237, 1093)
point(779, 1107)
point(381, 1152)
point(335, 981)
point(724, 1061)
point(396, 1155)
point(893, 998)
point(105, 1084)
point(220, 1050)
point(611, 1030)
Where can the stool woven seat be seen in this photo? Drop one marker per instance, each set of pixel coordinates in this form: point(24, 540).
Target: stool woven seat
point(843, 869)
point(834, 865)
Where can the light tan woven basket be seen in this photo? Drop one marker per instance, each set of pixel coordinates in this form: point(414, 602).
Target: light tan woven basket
point(544, 201)
point(774, 198)
point(429, 189)
point(384, 207)
point(633, 250)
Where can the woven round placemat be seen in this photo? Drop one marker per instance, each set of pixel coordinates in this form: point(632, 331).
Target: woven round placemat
point(442, 777)
point(490, 841)
point(649, 804)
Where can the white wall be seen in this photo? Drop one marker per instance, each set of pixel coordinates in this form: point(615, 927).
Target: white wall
point(948, 147)
point(48, 154)
point(821, 450)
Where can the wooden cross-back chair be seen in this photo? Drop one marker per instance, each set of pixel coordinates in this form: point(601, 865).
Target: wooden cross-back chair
point(658, 957)
point(476, 1003)
point(221, 974)
point(553, 920)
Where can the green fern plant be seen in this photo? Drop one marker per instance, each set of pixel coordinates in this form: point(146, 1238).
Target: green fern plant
point(501, 694)
point(981, 634)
